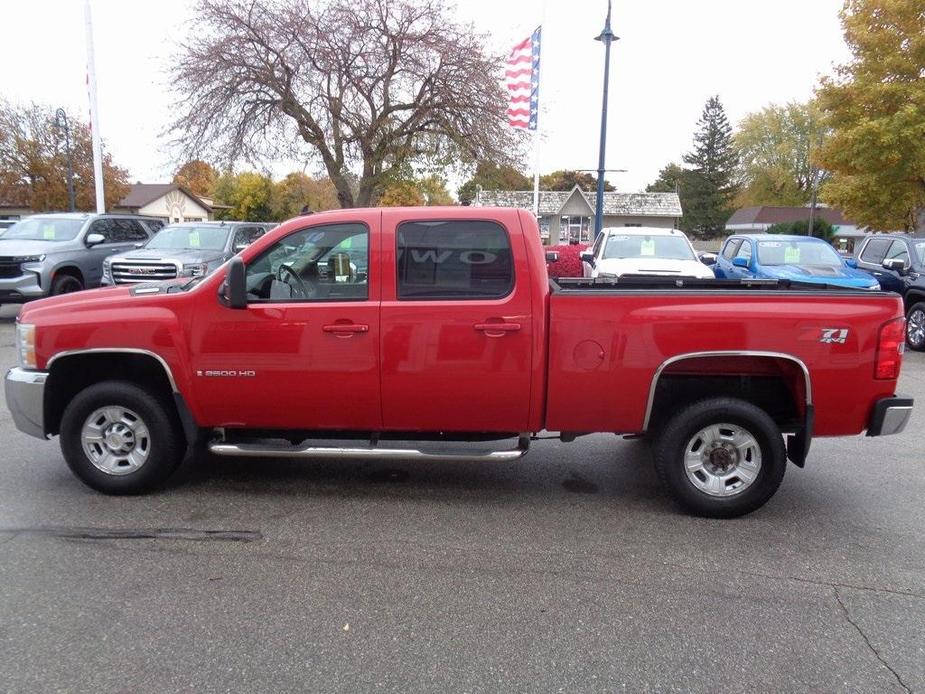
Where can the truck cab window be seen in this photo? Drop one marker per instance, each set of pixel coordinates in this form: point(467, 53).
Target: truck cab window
point(875, 250)
point(731, 247)
point(898, 251)
point(321, 263)
point(745, 251)
point(468, 259)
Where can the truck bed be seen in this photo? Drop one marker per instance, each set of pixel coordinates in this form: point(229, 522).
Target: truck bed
point(611, 340)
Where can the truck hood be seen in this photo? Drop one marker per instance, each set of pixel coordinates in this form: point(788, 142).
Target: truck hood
point(167, 255)
point(840, 276)
point(53, 308)
point(653, 266)
point(14, 248)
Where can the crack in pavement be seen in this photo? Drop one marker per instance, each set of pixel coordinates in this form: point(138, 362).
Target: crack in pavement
point(798, 579)
point(867, 641)
point(188, 534)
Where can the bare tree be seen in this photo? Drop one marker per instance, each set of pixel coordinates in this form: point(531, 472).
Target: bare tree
point(368, 85)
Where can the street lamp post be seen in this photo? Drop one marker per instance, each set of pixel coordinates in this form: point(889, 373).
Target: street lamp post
point(607, 37)
point(61, 123)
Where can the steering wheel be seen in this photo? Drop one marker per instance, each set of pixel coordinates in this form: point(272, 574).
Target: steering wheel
point(284, 272)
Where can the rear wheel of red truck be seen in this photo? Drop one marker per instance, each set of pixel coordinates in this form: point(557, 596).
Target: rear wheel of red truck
point(119, 439)
point(721, 457)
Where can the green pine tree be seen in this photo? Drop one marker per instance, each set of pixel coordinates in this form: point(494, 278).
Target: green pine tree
point(709, 186)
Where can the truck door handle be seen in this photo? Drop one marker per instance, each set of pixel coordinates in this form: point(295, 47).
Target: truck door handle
point(497, 329)
point(345, 329)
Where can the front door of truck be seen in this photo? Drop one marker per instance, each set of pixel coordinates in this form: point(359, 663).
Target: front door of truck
point(304, 353)
point(457, 338)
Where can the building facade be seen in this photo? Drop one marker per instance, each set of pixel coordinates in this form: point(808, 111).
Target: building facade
point(568, 216)
point(169, 201)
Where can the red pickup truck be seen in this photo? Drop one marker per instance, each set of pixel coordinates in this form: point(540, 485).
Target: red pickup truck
point(341, 333)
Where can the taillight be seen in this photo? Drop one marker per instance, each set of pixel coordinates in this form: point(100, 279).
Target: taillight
point(890, 347)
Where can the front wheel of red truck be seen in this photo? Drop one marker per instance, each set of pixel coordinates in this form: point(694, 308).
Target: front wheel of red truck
point(119, 439)
point(721, 457)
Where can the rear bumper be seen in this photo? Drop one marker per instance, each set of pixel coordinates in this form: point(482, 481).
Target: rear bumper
point(25, 397)
point(890, 416)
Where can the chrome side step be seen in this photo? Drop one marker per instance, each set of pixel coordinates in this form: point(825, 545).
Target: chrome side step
point(256, 450)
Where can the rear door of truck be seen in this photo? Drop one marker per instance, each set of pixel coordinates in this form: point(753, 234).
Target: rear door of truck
point(456, 347)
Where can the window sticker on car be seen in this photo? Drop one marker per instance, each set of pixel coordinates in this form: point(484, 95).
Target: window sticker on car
point(194, 239)
point(647, 247)
point(619, 238)
point(770, 244)
point(48, 232)
point(791, 255)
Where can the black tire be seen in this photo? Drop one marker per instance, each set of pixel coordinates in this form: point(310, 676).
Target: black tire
point(681, 430)
point(65, 284)
point(164, 443)
point(915, 327)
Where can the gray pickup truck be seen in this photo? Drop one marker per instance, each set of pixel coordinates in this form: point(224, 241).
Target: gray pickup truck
point(183, 250)
point(49, 254)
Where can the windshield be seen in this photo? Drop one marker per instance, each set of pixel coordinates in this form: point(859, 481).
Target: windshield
point(797, 253)
point(45, 229)
point(639, 246)
point(190, 237)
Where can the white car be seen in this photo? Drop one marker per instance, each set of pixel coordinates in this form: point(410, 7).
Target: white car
point(619, 251)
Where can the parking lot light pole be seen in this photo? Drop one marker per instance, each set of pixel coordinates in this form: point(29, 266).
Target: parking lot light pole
point(61, 124)
point(607, 37)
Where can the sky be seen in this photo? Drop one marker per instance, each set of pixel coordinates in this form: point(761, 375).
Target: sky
point(671, 57)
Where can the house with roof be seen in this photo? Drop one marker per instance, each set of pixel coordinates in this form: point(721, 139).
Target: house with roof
point(568, 215)
point(169, 201)
point(757, 220)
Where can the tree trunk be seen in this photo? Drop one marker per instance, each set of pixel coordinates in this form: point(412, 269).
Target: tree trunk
point(920, 221)
point(342, 186)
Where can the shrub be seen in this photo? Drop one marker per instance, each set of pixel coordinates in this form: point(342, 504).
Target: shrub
point(568, 264)
point(821, 228)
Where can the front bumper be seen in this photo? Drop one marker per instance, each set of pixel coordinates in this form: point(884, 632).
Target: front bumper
point(19, 289)
point(25, 398)
point(890, 416)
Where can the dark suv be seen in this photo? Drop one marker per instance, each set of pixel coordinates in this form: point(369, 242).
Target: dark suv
point(898, 263)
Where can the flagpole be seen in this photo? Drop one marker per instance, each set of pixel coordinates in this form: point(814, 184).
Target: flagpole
point(536, 133)
point(536, 155)
point(94, 113)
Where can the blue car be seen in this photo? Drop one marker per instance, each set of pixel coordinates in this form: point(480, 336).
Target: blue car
point(796, 258)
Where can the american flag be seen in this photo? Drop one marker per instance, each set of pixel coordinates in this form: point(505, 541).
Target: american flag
point(523, 82)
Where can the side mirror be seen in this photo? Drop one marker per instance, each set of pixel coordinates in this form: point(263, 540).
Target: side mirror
point(895, 264)
point(94, 240)
point(588, 257)
point(234, 289)
point(707, 258)
point(740, 262)
point(552, 256)
point(852, 263)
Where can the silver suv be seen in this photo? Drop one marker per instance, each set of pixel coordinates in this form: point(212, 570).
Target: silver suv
point(49, 254)
point(187, 249)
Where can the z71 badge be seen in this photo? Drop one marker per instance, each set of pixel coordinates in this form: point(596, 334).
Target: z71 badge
point(834, 336)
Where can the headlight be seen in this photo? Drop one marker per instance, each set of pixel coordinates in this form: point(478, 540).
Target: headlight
point(608, 275)
point(29, 259)
point(194, 270)
point(25, 345)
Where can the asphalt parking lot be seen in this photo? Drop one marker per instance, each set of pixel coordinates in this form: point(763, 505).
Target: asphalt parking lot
point(566, 571)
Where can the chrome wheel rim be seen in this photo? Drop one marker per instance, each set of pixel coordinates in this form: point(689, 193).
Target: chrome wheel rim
point(915, 328)
point(116, 440)
point(722, 460)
